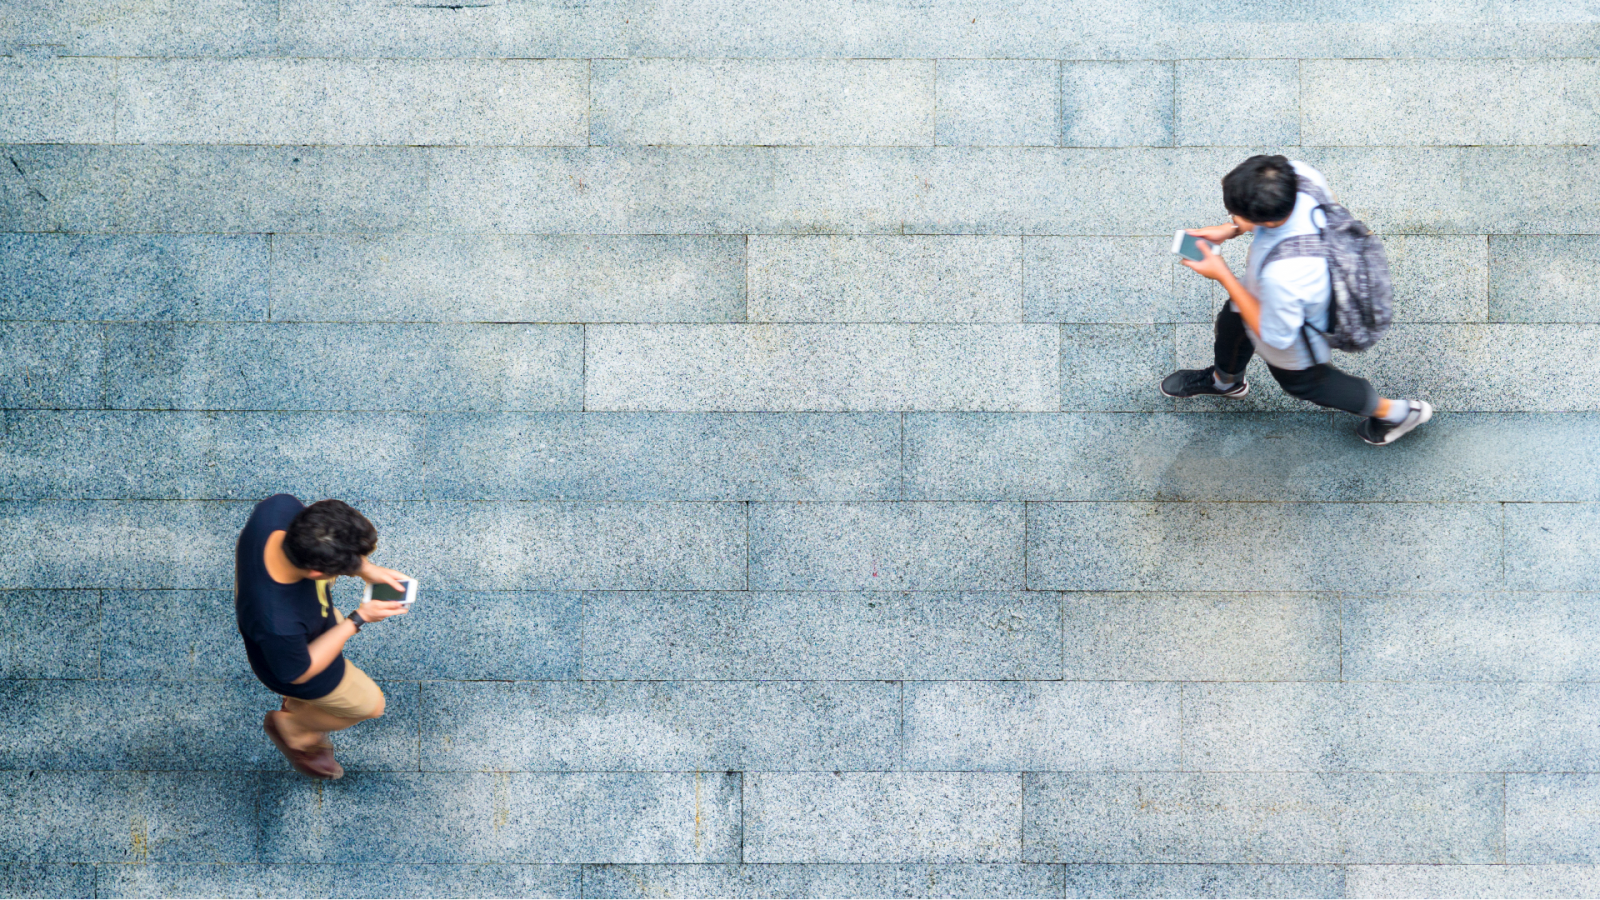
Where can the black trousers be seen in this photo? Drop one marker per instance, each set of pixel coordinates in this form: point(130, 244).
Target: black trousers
point(1321, 384)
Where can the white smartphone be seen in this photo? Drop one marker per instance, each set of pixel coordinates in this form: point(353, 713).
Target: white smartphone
point(385, 592)
point(1187, 246)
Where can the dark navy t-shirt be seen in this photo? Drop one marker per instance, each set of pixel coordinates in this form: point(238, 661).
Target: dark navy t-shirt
point(278, 621)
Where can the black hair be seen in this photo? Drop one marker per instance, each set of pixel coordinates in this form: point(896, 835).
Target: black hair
point(329, 536)
point(1261, 189)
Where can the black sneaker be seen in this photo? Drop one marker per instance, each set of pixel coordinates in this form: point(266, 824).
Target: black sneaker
point(1198, 383)
point(1377, 432)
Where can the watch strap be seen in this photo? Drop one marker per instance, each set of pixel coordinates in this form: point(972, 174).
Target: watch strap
point(355, 619)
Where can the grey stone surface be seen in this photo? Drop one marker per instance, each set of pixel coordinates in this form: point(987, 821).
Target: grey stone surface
point(170, 636)
point(523, 102)
point(341, 879)
point(999, 102)
point(1099, 280)
point(562, 546)
point(1262, 818)
point(1204, 881)
point(1236, 103)
point(1550, 547)
point(820, 367)
point(851, 817)
point(885, 279)
point(508, 278)
point(1406, 102)
point(1013, 726)
point(50, 881)
point(799, 102)
point(1201, 637)
point(827, 880)
point(111, 28)
point(664, 456)
point(503, 817)
point(1470, 637)
point(57, 100)
point(50, 634)
point(660, 726)
point(1473, 881)
point(474, 635)
point(1262, 547)
point(399, 367)
point(1115, 368)
point(128, 544)
point(1543, 278)
point(1116, 103)
point(51, 366)
point(131, 817)
point(1440, 278)
point(1552, 818)
point(822, 635)
point(886, 547)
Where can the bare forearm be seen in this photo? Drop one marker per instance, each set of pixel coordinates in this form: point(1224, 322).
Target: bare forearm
point(1247, 304)
point(326, 648)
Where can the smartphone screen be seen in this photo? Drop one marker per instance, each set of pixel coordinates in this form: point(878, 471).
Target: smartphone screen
point(1187, 246)
point(385, 592)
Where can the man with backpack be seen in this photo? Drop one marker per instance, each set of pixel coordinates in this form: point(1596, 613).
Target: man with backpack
point(1315, 280)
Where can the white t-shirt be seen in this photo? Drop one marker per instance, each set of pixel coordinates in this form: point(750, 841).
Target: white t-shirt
point(1291, 291)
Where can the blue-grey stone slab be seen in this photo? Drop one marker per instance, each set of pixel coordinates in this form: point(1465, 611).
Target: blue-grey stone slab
point(663, 817)
point(474, 635)
point(357, 457)
point(1009, 726)
point(1201, 637)
point(1440, 277)
point(562, 546)
point(51, 365)
point(57, 100)
point(999, 102)
point(508, 278)
point(119, 544)
point(798, 102)
point(1180, 880)
point(1122, 280)
point(823, 635)
point(171, 636)
point(826, 880)
point(891, 817)
point(187, 277)
point(131, 817)
point(1552, 818)
point(50, 881)
point(886, 546)
point(50, 634)
point(663, 456)
point(1236, 102)
point(1263, 818)
point(1473, 881)
point(660, 726)
point(1551, 546)
point(1263, 546)
point(340, 367)
point(1471, 637)
point(1544, 278)
point(1116, 103)
point(337, 879)
point(182, 28)
point(1115, 368)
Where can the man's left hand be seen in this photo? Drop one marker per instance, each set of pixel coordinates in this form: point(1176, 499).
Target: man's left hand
point(1213, 266)
point(375, 574)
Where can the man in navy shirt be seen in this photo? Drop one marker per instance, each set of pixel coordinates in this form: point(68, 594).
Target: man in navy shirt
point(286, 560)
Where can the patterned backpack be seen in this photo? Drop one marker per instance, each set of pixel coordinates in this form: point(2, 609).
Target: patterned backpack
point(1361, 303)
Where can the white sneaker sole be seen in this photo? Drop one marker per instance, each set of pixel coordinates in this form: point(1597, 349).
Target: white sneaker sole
point(1413, 419)
point(1223, 396)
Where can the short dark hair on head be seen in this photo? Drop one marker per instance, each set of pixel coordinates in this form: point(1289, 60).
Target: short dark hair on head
point(329, 536)
point(1261, 189)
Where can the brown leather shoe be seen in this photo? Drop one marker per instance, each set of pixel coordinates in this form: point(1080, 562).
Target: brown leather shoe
point(316, 763)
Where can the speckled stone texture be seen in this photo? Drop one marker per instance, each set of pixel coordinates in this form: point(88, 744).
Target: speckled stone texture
point(765, 394)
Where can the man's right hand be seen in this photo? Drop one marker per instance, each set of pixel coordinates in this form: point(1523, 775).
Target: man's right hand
point(1216, 234)
point(378, 610)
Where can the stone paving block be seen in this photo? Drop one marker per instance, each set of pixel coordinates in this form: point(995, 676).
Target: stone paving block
point(1551, 547)
point(170, 277)
point(172, 636)
point(1116, 103)
point(1552, 818)
point(474, 635)
point(820, 367)
point(1543, 278)
point(802, 102)
point(1201, 637)
point(886, 546)
point(347, 879)
point(110, 28)
point(49, 881)
point(132, 817)
point(660, 726)
point(560, 546)
point(119, 544)
point(1014, 726)
point(1408, 102)
point(827, 880)
point(508, 278)
point(623, 817)
point(57, 100)
point(51, 365)
point(824, 635)
point(516, 102)
point(1272, 728)
point(1101, 280)
point(1439, 277)
point(1473, 881)
point(999, 102)
point(49, 634)
point(398, 367)
point(1115, 367)
point(1262, 818)
point(664, 456)
point(1262, 547)
point(1204, 881)
point(853, 817)
point(1470, 637)
point(358, 457)
point(175, 726)
point(1236, 102)
point(885, 279)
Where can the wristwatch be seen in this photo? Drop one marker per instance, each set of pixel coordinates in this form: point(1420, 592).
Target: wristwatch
point(355, 619)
